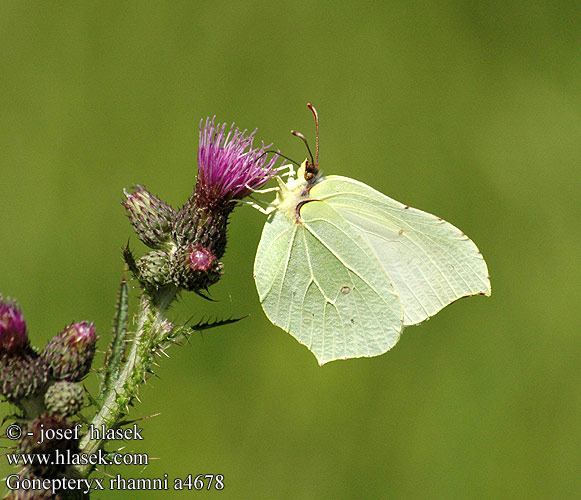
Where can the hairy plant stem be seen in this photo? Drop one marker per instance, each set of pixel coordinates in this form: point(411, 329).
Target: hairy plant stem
point(152, 335)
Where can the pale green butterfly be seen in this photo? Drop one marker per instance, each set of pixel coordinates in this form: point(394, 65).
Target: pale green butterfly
point(343, 268)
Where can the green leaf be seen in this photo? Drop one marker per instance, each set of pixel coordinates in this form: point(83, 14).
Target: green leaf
point(117, 347)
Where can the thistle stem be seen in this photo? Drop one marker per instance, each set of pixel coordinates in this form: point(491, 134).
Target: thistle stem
point(151, 336)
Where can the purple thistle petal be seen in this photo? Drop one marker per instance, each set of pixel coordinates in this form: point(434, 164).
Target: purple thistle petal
point(229, 166)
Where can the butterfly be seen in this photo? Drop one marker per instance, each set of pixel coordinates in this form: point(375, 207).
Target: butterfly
point(344, 268)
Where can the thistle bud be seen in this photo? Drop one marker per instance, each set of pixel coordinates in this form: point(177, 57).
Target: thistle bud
point(150, 216)
point(24, 494)
point(22, 375)
point(33, 442)
point(154, 268)
point(64, 398)
point(199, 227)
point(200, 259)
point(70, 353)
point(13, 336)
point(195, 268)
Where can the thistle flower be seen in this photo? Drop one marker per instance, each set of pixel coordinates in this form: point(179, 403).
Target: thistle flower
point(188, 243)
point(13, 336)
point(229, 169)
point(70, 353)
point(229, 166)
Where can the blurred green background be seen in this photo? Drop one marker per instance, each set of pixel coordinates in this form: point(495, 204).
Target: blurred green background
point(469, 110)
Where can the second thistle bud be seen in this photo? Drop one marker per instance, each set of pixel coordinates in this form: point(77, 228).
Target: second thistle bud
point(154, 269)
point(64, 398)
point(195, 268)
point(150, 216)
point(70, 353)
point(200, 259)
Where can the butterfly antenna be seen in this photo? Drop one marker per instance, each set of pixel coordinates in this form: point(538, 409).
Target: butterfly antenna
point(303, 138)
point(316, 115)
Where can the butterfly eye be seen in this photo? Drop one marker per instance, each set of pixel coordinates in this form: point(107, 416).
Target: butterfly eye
point(310, 171)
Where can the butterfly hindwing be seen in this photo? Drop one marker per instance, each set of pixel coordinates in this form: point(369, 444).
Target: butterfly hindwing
point(321, 282)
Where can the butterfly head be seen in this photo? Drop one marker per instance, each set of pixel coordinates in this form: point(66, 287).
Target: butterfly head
point(294, 193)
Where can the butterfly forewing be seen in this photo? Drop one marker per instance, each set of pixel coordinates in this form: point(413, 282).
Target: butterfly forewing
point(430, 262)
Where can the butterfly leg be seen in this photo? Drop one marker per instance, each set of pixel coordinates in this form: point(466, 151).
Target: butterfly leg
point(257, 204)
point(270, 207)
point(267, 190)
point(290, 170)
